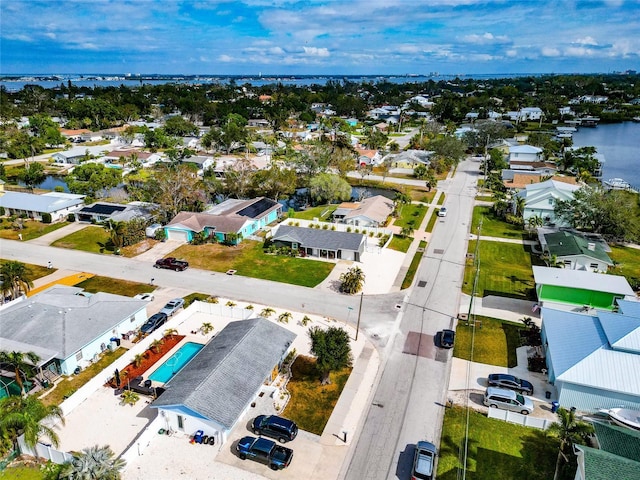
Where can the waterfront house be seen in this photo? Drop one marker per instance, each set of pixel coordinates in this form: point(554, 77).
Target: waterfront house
point(57, 204)
point(540, 200)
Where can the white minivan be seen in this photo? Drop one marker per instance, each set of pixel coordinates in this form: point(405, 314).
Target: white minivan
point(508, 400)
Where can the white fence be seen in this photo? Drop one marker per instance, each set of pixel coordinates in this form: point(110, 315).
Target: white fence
point(43, 451)
point(518, 418)
point(339, 227)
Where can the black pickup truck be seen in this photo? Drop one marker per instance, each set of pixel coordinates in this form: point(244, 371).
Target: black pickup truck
point(265, 451)
point(171, 263)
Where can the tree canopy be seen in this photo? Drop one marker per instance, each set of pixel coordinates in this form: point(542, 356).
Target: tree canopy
point(327, 187)
point(331, 349)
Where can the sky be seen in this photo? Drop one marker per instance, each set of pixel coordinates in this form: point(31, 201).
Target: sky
point(318, 37)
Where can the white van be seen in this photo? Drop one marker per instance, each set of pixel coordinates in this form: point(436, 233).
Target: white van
point(508, 400)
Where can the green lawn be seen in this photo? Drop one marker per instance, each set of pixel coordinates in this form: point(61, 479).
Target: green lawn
point(411, 214)
point(493, 226)
point(321, 212)
point(432, 221)
point(413, 267)
point(505, 270)
point(421, 194)
point(441, 199)
point(113, 285)
point(495, 341)
point(400, 243)
point(497, 450)
point(90, 239)
point(311, 403)
point(35, 271)
point(627, 264)
point(249, 260)
point(32, 229)
point(22, 472)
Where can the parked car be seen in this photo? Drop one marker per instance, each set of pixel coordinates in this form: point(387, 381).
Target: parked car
point(171, 263)
point(151, 230)
point(275, 427)
point(147, 297)
point(423, 461)
point(265, 451)
point(508, 400)
point(447, 338)
point(172, 306)
point(442, 212)
point(510, 382)
point(154, 322)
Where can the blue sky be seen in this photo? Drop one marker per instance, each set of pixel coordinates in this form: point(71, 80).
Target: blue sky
point(319, 36)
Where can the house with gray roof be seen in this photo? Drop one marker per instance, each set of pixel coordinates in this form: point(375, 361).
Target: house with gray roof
point(241, 217)
point(68, 328)
point(103, 211)
point(315, 242)
point(576, 252)
point(370, 212)
point(56, 204)
point(216, 388)
point(593, 360)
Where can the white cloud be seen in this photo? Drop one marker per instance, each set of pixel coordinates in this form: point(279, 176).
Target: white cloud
point(578, 52)
point(485, 39)
point(511, 53)
point(586, 41)
point(316, 52)
point(550, 52)
point(225, 58)
point(19, 36)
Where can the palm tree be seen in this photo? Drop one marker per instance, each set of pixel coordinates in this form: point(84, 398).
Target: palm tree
point(284, 317)
point(230, 304)
point(116, 234)
point(535, 221)
point(129, 397)
point(156, 344)
point(21, 363)
point(407, 231)
point(519, 203)
point(267, 312)
point(352, 280)
point(138, 359)
point(16, 278)
point(170, 332)
point(93, 463)
point(401, 199)
point(569, 431)
point(22, 416)
point(206, 328)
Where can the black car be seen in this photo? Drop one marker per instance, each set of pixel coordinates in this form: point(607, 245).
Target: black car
point(447, 337)
point(275, 427)
point(504, 380)
point(154, 322)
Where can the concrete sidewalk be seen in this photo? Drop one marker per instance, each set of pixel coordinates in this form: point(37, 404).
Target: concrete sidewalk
point(51, 237)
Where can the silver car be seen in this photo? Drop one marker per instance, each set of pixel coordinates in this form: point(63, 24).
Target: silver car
point(172, 306)
point(508, 400)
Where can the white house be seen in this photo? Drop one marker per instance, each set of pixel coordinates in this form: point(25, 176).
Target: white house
point(215, 389)
point(540, 200)
point(525, 153)
point(56, 204)
point(370, 212)
point(531, 113)
point(68, 328)
point(368, 157)
point(77, 154)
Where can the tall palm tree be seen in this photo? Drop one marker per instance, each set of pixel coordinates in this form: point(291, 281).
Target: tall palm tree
point(16, 278)
point(21, 363)
point(570, 431)
point(93, 463)
point(116, 234)
point(519, 203)
point(23, 415)
point(401, 199)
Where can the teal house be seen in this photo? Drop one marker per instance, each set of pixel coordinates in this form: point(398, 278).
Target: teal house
point(229, 221)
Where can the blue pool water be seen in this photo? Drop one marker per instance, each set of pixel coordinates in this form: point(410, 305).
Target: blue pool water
point(173, 364)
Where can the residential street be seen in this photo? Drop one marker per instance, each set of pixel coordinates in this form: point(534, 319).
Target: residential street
point(408, 404)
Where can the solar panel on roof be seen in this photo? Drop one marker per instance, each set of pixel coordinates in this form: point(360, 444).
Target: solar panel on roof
point(103, 209)
point(258, 208)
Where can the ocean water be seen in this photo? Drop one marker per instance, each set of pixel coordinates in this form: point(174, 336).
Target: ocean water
point(620, 145)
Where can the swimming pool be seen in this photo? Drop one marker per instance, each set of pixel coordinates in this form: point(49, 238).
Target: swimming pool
point(173, 364)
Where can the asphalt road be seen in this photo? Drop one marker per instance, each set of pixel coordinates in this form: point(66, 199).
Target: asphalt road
point(378, 311)
point(408, 404)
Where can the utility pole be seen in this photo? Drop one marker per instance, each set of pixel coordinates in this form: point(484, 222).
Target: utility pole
point(359, 313)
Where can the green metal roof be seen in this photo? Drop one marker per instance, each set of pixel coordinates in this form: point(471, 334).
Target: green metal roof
point(564, 244)
point(601, 465)
point(620, 441)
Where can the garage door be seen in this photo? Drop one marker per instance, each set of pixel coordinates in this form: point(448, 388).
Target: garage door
point(178, 235)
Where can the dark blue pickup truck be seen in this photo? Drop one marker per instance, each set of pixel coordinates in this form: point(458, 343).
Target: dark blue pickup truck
point(265, 451)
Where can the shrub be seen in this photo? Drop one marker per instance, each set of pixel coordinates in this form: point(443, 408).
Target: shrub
point(297, 224)
point(333, 227)
point(2, 211)
point(348, 229)
point(46, 217)
point(160, 234)
point(71, 217)
point(325, 227)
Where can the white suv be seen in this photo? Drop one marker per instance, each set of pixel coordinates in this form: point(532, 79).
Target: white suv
point(442, 212)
